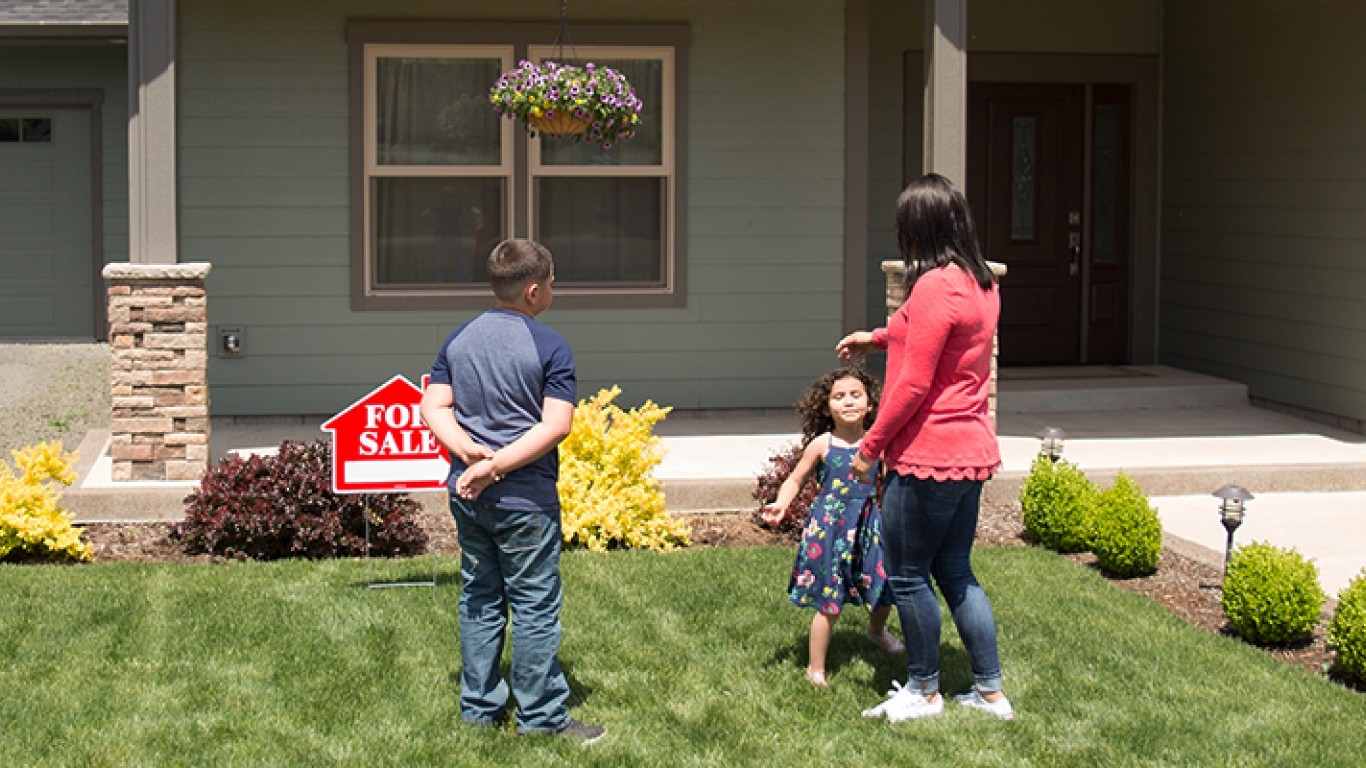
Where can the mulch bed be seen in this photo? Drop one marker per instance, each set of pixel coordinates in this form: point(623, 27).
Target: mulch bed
point(1183, 585)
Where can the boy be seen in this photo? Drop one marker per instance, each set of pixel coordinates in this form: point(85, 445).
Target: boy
point(500, 399)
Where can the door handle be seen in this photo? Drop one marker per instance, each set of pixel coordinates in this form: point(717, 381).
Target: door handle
point(1074, 250)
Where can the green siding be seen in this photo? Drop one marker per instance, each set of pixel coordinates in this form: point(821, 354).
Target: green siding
point(1263, 242)
point(263, 166)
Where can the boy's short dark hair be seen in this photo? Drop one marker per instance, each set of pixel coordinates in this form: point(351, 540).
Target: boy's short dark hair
point(513, 264)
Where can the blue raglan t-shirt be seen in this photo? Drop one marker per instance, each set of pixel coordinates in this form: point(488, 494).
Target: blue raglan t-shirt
point(501, 366)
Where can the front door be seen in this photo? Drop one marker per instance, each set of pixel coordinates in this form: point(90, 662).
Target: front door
point(1064, 298)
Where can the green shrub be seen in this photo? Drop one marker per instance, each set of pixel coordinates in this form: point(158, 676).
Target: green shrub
point(271, 507)
point(1271, 594)
point(1126, 533)
point(1057, 503)
point(1347, 630)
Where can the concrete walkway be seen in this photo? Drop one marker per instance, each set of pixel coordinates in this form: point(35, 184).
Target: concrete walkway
point(1309, 480)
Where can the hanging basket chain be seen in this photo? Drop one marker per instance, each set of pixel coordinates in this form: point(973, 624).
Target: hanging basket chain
point(552, 98)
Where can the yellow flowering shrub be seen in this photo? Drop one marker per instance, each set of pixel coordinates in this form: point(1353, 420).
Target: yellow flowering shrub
point(31, 522)
point(609, 497)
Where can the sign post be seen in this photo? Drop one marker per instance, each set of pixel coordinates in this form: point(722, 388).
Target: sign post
point(381, 445)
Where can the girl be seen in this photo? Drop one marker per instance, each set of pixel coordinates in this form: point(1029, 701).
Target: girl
point(937, 438)
point(840, 557)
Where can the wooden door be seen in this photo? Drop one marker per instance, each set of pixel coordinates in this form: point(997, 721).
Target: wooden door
point(1025, 186)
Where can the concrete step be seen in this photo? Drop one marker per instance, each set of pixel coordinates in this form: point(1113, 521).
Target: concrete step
point(1112, 388)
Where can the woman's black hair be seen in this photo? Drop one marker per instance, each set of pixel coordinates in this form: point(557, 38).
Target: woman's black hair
point(934, 229)
point(814, 406)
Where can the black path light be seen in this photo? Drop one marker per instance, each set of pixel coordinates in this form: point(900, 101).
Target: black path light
point(1231, 514)
point(1050, 442)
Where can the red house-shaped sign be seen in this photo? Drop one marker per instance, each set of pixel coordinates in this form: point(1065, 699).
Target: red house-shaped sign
point(380, 443)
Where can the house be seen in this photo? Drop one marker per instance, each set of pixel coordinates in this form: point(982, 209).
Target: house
point(1168, 182)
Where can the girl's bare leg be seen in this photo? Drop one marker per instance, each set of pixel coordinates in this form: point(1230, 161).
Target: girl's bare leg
point(877, 631)
point(822, 628)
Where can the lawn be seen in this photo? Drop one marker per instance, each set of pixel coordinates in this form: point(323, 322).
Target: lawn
point(688, 658)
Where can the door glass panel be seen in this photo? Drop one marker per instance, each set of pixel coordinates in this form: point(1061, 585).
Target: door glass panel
point(1105, 185)
point(1024, 141)
point(436, 230)
point(9, 129)
point(603, 230)
point(436, 112)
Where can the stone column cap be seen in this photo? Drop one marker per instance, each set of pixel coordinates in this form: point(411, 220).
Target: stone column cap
point(896, 266)
point(128, 271)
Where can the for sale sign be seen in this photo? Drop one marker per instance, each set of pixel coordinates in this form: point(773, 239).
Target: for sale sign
point(380, 443)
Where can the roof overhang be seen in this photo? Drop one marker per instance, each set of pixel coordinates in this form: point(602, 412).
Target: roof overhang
point(53, 30)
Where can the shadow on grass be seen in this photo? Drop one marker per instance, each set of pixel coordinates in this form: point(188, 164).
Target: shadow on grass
point(849, 644)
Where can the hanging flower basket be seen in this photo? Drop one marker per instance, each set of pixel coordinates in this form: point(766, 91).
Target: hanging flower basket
point(590, 103)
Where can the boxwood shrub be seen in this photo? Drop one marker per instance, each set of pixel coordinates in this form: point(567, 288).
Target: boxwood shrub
point(1126, 533)
point(1347, 629)
point(271, 507)
point(1057, 503)
point(1271, 594)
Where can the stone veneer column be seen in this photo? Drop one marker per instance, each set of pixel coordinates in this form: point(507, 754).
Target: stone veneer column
point(895, 271)
point(158, 337)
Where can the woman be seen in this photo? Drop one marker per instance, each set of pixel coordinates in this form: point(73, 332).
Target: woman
point(935, 436)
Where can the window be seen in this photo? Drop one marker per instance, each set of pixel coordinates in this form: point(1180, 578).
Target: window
point(442, 177)
point(28, 130)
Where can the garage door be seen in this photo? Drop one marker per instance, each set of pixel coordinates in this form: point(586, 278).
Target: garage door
point(47, 268)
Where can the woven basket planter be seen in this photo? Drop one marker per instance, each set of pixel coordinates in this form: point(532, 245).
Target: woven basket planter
point(560, 124)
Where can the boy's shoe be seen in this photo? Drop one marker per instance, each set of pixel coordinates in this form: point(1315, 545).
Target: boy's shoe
point(583, 733)
point(1000, 708)
point(904, 703)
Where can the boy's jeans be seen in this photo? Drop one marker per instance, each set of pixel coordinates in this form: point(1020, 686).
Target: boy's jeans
point(927, 530)
point(510, 560)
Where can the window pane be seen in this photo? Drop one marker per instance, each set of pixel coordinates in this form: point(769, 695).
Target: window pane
point(9, 129)
point(436, 230)
point(603, 230)
point(436, 112)
point(37, 130)
point(1023, 150)
point(646, 76)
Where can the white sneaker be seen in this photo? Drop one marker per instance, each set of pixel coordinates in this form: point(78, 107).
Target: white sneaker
point(1000, 708)
point(904, 703)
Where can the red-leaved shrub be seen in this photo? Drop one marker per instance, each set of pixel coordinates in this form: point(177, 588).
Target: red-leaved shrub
point(780, 466)
point(271, 507)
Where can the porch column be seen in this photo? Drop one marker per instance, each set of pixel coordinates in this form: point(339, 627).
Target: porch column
point(151, 132)
point(158, 332)
point(946, 89)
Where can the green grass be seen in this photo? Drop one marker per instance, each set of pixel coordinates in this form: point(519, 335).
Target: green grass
point(690, 658)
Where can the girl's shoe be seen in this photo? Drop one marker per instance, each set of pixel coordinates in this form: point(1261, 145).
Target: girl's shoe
point(1000, 707)
point(816, 678)
point(886, 641)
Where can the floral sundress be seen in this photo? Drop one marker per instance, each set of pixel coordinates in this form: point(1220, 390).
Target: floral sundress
point(840, 557)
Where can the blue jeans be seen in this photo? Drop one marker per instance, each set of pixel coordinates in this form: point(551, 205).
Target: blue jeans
point(927, 530)
point(510, 560)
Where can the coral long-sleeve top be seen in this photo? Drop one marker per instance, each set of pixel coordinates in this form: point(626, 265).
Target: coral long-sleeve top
point(932, 421)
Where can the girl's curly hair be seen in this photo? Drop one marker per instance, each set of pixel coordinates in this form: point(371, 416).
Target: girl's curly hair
point(814, 405)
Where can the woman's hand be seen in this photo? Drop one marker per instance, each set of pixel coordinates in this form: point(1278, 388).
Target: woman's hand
point(855, 346)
